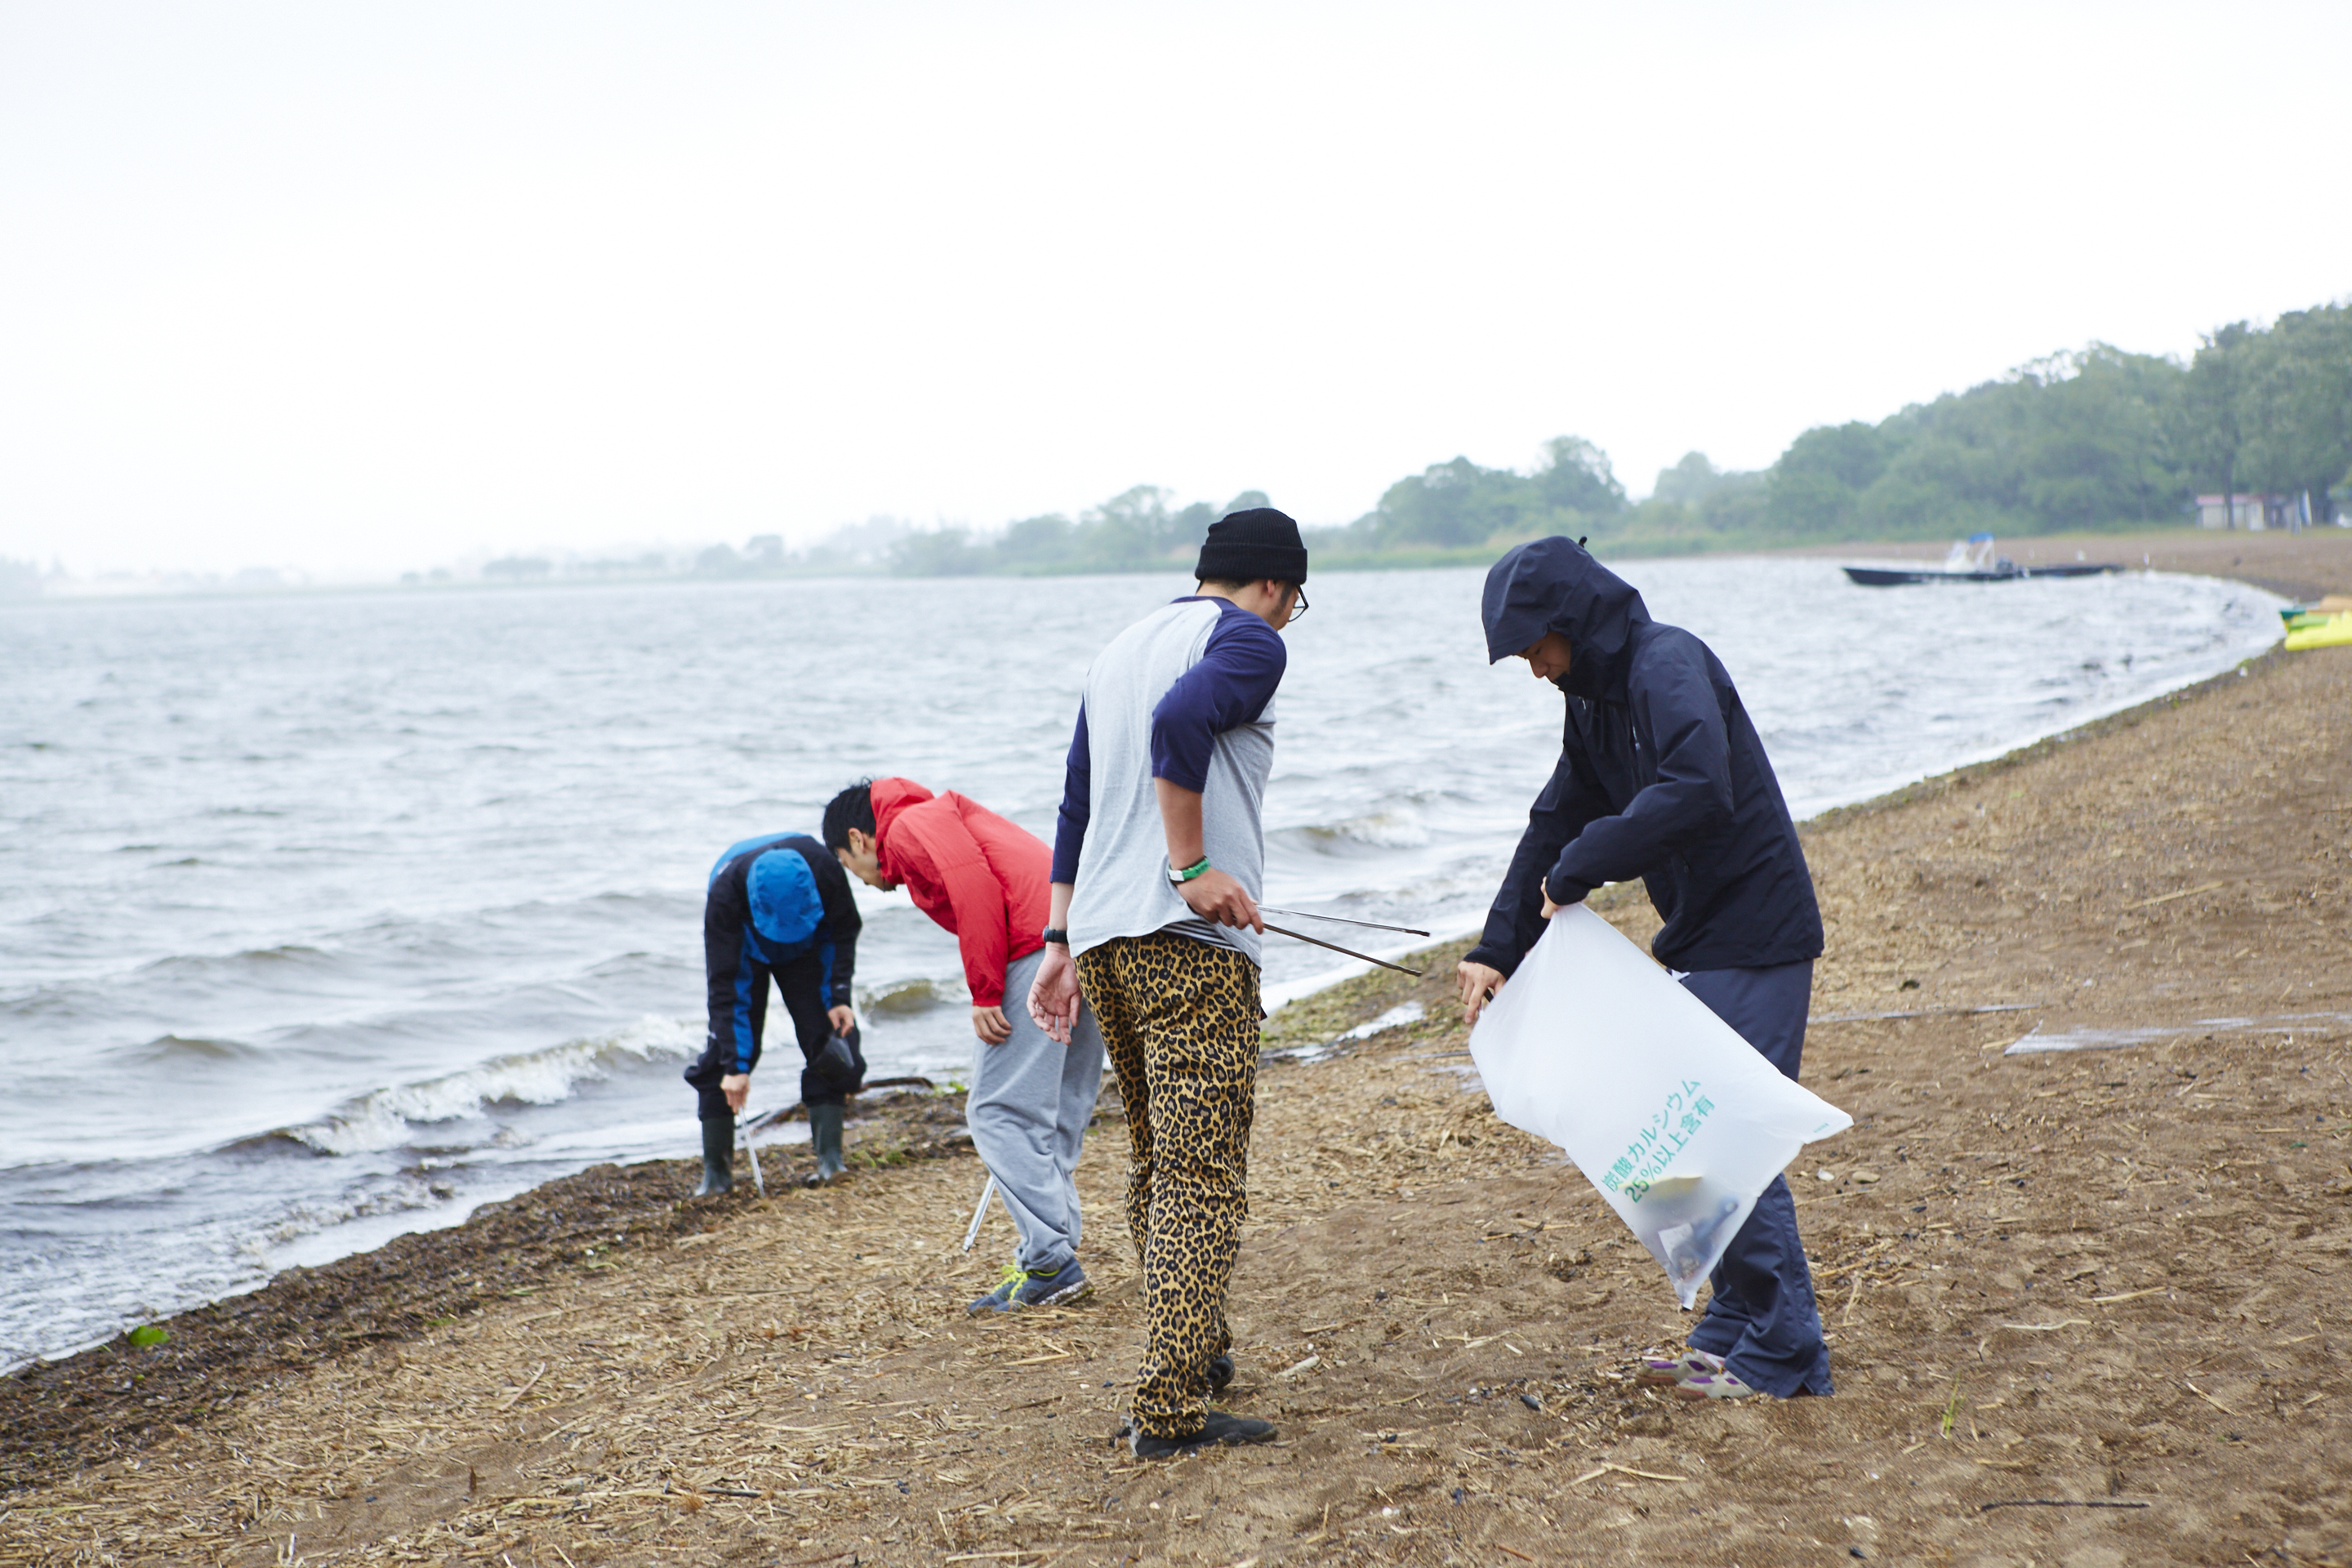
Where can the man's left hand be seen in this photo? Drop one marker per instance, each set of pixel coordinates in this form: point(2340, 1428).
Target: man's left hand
point(842, 1019)
point(991, 1025)
point(1480, 983)
point(737, 1088)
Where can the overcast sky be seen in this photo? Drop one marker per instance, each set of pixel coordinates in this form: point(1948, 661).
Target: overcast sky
point(358, 288)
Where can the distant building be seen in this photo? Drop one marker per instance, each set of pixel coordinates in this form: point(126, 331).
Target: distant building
point(2254, 513)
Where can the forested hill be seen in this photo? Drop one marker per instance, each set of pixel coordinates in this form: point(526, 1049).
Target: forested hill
point(2099, 438)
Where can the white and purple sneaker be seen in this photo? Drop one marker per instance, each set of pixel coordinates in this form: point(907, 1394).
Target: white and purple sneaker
point(1657, 1371)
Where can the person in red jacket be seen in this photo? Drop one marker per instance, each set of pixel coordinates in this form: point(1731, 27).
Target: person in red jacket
point(989, 882)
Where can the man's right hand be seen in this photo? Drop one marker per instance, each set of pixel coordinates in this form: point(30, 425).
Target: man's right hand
point(1054, 996)
point(991, 1026)
point(1215, 897)
point(1480, 983)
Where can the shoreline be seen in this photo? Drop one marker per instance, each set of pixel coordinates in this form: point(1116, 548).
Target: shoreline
point(316, 1254)
point(566, 1053)
point(1445, 941)
point(1912, 935)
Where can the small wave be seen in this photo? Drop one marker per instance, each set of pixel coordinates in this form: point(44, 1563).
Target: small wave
point(1398, 828)
point(384, 1118)
point(414, 1190)
point(167, 1048)
point(298, 955)
point(903, 998)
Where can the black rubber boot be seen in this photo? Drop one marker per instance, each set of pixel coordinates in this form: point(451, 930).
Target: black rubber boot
point(717, 1157)
point(824, 1136)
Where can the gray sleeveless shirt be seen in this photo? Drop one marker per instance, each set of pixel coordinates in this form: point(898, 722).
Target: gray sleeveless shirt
point(1122, 887)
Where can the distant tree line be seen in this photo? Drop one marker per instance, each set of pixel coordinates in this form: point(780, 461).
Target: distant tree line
point(2097, 439)
point(2089, 440)
point(2094, 439)
point(1136, 530)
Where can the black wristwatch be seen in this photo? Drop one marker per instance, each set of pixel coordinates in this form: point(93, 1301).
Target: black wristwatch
point(1057, 937)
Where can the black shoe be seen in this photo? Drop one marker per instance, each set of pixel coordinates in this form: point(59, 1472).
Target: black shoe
point(1220, 1430)
point(1220, 1371)
point(717, 1157)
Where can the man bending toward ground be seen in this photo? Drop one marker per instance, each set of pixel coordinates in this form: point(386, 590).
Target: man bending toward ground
point(778, 907)
point(1158, 860)
point(1661, 777)
point(984, 878)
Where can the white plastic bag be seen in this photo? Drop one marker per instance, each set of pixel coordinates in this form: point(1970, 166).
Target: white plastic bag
point(1678, 1121)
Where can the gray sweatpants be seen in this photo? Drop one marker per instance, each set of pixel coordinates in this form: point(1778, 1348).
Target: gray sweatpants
point(1030, 1102)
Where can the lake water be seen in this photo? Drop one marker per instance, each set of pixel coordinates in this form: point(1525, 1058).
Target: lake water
point(323, 917)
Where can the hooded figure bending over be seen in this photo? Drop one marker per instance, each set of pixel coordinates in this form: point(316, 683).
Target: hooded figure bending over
point(1661, 777)
point(778, 907)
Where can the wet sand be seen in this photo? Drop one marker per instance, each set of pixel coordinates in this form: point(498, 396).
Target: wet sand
point(2086, 1305)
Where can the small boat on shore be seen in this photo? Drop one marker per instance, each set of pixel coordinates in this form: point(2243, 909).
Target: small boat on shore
point(1973, 560)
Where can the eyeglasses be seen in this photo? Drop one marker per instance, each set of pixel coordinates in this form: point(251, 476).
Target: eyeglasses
point(1298, 603)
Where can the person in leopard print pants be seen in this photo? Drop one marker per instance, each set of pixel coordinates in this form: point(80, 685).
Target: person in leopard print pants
point(1180, 1018)
point(1157, 863)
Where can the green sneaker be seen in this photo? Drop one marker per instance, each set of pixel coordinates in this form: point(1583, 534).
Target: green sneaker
point(1063, 1287)
point(1001, 1299)
point(1021, 1287)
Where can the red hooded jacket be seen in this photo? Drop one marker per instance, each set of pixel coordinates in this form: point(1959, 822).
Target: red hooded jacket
point(970, 870)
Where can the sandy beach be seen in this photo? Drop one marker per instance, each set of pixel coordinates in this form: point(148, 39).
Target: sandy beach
point(2087, 1299)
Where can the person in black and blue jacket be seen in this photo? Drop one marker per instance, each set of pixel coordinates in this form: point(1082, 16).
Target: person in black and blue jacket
point(1663, 776)
point(779, 908)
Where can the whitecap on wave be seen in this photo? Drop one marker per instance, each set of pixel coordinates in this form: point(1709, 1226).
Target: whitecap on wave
point(384, 1118)
point(411, 1192)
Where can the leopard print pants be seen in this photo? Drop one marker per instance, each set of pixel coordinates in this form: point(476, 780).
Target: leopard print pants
point(1180, 1020)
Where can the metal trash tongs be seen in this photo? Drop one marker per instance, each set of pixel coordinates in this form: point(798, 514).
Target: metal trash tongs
point(1334, 946)
point(1373, 925)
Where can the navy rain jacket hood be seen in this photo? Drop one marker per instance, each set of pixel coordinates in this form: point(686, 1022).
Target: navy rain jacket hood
point(1661, 776)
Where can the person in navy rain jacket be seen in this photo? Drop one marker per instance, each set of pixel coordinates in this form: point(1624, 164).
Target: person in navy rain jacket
point(779, 908)
point(1661, 777)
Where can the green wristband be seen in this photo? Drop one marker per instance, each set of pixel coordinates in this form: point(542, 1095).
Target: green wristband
point(1200, 869)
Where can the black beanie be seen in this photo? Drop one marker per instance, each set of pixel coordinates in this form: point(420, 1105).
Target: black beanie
point(1246, 547)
